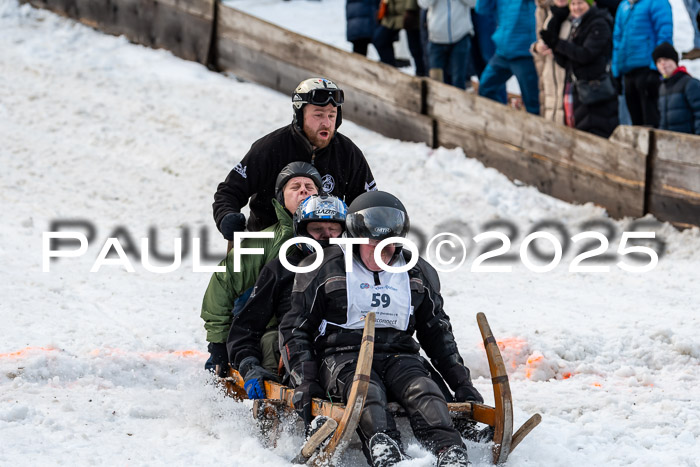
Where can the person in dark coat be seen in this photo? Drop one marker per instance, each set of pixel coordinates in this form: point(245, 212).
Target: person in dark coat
point(253, 344)
point(584, 56)
point(311, 137)
point(679, 94)
point(361, 19)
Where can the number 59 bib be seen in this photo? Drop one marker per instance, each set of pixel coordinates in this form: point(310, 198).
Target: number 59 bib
point(391, 301)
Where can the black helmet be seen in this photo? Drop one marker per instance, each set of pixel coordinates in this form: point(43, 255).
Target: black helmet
point(377, 215)
point(318, 208)
point(296, 169)
point(316, 91)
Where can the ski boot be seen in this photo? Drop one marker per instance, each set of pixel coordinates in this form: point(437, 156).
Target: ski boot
point(384, 450)
point(453, 456)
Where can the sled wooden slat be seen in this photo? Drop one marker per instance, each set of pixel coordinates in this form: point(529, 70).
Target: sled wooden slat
point(527, 427)
point(503, 427)
point(356, 399)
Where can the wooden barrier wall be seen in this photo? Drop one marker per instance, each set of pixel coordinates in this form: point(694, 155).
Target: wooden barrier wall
point(638, 170)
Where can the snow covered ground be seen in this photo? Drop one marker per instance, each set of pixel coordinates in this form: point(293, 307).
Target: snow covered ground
point(106, 367)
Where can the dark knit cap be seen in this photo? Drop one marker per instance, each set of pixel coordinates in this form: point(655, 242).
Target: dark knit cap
point(665, 50)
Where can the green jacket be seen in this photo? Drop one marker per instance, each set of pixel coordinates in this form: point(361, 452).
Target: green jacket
point(225, 287)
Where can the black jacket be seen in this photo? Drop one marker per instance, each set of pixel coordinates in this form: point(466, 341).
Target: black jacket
point(269, 302)
point(585, 56)
point(679, 104)
point(342, 165)
point(322, 294)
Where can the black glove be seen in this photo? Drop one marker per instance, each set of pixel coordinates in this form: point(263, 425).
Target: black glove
point(218, 356)
point(468, 393)
point(302, 399)
point(255, 376)
point(232, 222)
point(550, 37)
point(411, 20)
point(459, 380)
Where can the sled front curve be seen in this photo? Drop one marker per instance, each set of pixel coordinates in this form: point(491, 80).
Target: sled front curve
point(503, 439)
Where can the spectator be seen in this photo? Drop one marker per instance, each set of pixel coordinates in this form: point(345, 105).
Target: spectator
point(450, 31)
point(679, 94)
point(585, 56)
point(395, 16)
point(640, 25)
point(552, 75)
point(483, 47)
point(693, 8)
point(541, 10)
point(515, 31)
point(361, 17)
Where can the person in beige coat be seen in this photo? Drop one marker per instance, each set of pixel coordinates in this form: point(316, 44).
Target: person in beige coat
point(551, 75)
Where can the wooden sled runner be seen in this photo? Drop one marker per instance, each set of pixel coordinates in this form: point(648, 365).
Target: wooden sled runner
point(500, 417)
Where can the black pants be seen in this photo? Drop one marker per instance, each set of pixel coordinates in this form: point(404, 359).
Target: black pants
point(400, 378)
point(359, 46)
point(642, 96)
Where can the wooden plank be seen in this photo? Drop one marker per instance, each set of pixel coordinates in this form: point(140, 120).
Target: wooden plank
point(359, 107)
point(635, 137)
point(182, 26)
point(533, 134)
point(677, 147)
point(675, 190)
point(678, 179)
point(559, 178)
point(682, 213)
point(377, 79)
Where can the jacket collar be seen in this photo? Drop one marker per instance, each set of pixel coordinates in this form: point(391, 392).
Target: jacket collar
point(284, 217)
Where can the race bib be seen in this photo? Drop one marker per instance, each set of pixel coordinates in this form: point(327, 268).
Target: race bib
point(391, 301)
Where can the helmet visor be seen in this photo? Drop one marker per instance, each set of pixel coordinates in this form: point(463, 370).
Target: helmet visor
point(378, 223)
point(323, 97)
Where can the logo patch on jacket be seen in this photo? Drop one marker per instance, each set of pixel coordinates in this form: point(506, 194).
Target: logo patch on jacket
point(328, 183)
point(241, 170)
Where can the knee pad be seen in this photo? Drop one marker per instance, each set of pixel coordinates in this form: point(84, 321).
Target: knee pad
point(426, 404)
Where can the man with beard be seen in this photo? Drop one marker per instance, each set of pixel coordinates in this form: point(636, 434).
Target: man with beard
point(311, 137)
